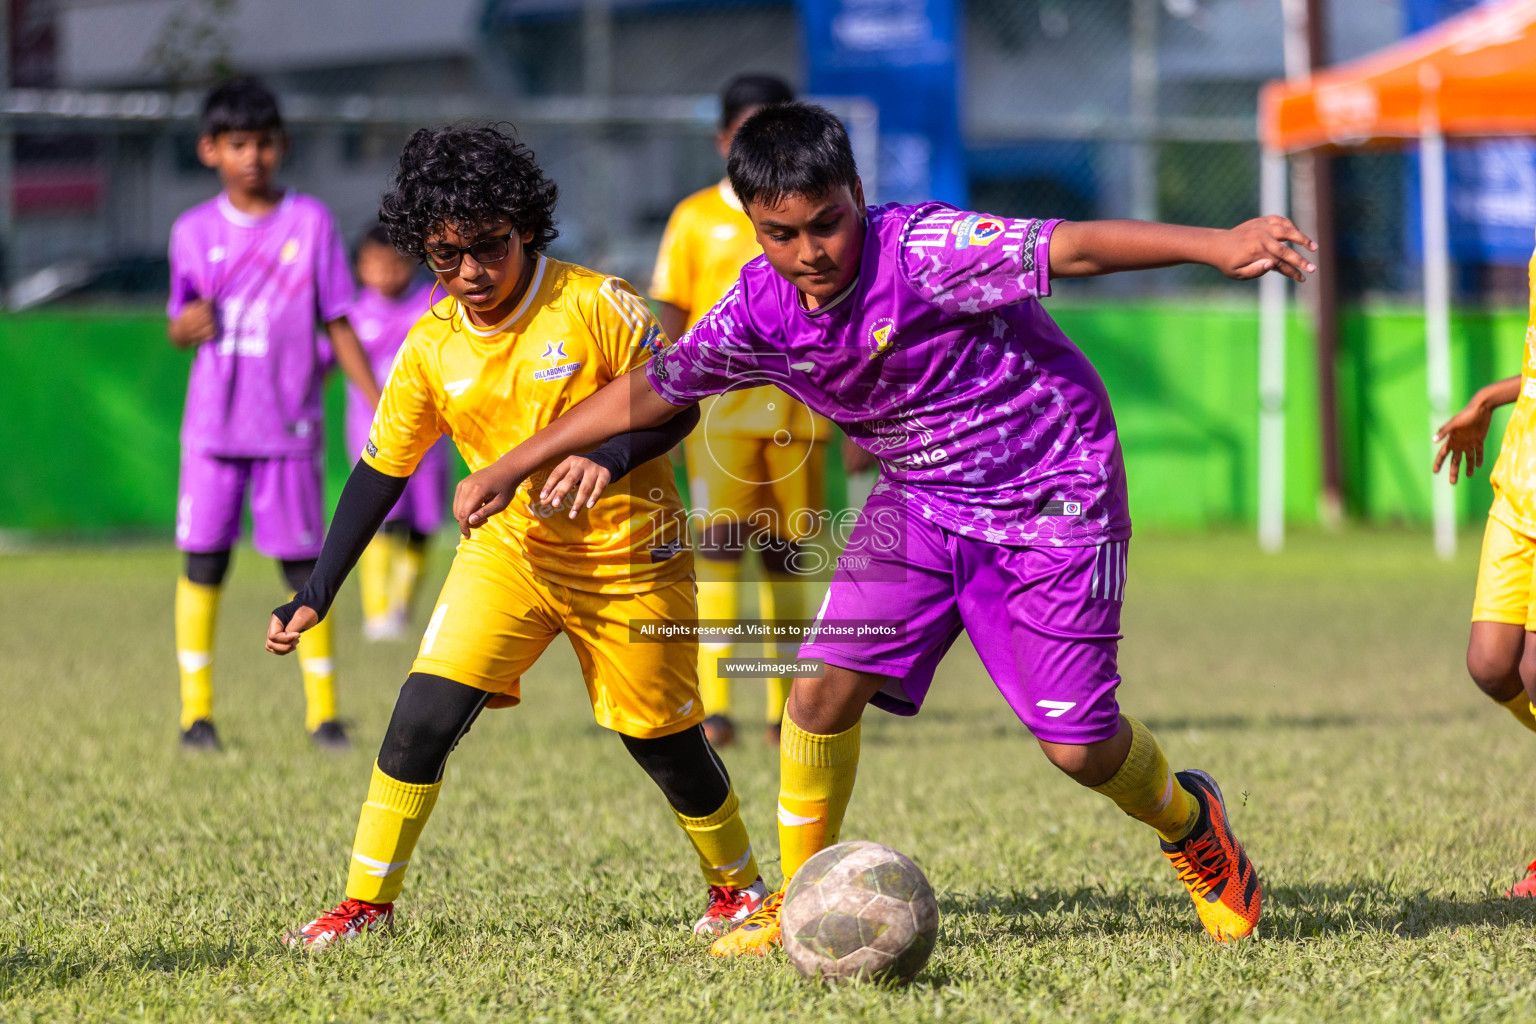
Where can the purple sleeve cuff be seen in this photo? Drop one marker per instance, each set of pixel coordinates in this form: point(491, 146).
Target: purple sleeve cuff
point(664, 385)
point(1036, 257)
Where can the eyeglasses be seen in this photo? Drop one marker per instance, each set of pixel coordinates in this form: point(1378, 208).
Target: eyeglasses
point(443, 258)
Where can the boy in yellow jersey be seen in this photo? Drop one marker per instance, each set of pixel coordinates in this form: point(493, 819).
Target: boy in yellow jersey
point(755, 468)
point(519, 339)
point(1501, 653)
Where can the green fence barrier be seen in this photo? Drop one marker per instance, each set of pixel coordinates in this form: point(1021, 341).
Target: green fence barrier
point(91, 402)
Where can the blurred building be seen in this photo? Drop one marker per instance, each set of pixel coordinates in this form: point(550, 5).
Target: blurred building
point(1055, 117)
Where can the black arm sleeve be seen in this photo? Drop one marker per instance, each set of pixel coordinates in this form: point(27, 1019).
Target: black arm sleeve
point(365, 501)
point(618, 455)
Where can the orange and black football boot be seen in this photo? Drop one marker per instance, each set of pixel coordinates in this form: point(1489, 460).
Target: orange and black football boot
point(1213, 867)
point(1526, 886)
point(758, 934)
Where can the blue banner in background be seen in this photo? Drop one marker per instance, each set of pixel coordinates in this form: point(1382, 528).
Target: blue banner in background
point(902, 55)
point(1492, 183)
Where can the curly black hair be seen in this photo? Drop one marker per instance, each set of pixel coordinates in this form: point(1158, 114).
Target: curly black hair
point(461, 177)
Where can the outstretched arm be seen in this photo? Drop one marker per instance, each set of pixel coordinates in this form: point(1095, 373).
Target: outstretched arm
point(1462, 435)
point(1252, 249)
point(624, 405)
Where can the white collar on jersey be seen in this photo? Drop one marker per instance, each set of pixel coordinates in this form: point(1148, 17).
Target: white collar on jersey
point(728, 196)
point(522, 307)
point(246, 220)
point(828, 306)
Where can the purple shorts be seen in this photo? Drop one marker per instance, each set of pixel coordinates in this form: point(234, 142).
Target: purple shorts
point(287, 504)
point(424, 504)
point(1044, 620)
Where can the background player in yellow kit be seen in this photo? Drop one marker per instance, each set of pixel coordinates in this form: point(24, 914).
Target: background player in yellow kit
point(519, 339)
point(1501, 652)
point(755, 464)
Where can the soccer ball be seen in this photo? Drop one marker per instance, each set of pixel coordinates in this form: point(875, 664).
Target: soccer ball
point(859, 912)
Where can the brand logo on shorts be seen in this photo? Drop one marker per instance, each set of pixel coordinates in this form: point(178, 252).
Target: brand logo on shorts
point(1062, 508)
point(662, 552)
point(1057, 708)
point(881, 334)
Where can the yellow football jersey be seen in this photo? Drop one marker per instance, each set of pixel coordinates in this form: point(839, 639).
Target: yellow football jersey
point(489, 390)
point(1514, 475)
point(708, 240)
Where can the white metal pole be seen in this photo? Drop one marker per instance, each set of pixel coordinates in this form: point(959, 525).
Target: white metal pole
point(1437, 307)
point(1272, 199)
point(1144, 84)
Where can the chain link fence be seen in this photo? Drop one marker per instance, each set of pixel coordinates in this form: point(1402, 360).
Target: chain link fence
point(1070, 108)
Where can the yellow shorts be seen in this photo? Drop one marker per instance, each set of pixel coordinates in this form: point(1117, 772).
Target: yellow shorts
point(774, 488)
point(494, 618)
point(1505, 585)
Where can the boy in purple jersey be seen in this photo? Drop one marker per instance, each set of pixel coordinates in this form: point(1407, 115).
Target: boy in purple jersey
point(389, 303)
point(252, 272)
point(1001, 509)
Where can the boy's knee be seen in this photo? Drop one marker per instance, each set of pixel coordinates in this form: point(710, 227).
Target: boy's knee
point(208, 568)
point(1089, 764)
point(431, 715)
point(1074, 760)
point(1497, 673)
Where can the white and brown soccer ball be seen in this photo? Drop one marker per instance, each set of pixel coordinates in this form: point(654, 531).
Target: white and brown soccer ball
point(859, 912)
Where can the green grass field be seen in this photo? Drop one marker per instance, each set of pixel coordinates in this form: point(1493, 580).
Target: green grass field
point(1385, 801)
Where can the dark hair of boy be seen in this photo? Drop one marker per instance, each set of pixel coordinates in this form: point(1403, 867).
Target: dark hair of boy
point(791, 149)
point(744, 92)
point(464, 177)
point(239, 105)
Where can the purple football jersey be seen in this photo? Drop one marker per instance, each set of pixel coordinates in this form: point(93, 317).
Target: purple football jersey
point(381, 324)
point(255, 388)
point(939, 361)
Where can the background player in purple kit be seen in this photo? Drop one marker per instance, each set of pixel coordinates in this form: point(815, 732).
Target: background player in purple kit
point(252, 271)
point(389, 303)
point(1002, 505)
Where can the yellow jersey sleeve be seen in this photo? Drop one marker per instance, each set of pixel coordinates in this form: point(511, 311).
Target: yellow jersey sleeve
point(407, 422)
point(672, 280)
point(623, 327)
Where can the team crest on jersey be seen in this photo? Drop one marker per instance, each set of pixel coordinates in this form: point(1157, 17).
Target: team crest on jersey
point(977, 230)
point(290, 253)
point(554, 351)
point(654, 340)
point(881, 333)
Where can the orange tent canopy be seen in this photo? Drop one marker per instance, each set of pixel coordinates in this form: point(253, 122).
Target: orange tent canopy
point(1474, 74)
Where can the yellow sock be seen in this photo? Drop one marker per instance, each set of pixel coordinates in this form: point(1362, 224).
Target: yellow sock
point(815, 781)
point(387, 831)
point(725, 852)
point(781, 598)
point(718, 583)
point(1145, 788)
point(319, 670)
point(197, 613)
point(405, 573)
point(373, 575)
point(1520, 706)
